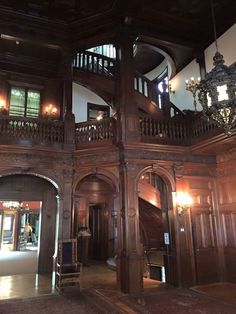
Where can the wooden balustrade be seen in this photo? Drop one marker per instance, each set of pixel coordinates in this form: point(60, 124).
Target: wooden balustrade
point(94, 63)
point(201, 126)
point(146, 87)
point(164, 129)
point(95, 131)
point(39, 130)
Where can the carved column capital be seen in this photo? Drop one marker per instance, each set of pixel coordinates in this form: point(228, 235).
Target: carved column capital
point(178, 170)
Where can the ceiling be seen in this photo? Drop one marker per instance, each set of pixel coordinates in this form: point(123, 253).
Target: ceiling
point(180, 28)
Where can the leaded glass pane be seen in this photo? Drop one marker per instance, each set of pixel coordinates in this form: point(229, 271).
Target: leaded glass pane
point(17, 102)
point(33, 104)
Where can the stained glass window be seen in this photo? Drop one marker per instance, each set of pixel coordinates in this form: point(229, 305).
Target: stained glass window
point(24, 102)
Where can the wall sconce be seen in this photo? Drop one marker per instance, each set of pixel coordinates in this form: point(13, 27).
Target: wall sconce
point(50, 111)
point(3, 109)
point(192, 87)
point(184, 201)
point(171, 91)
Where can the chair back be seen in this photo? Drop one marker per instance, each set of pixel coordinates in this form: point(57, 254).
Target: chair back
point(67, 251)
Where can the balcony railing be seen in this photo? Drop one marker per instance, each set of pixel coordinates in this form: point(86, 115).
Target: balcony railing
point(159, 130)
point(146, 87)
point(38, 130)
point(95, 131)
point(95, 63)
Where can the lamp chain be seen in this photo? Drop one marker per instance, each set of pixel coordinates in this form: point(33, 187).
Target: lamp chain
point(214, 24)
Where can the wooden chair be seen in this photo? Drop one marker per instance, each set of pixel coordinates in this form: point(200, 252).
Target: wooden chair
point(68, 268)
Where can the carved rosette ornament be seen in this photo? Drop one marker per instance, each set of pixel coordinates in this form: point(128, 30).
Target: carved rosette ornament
point(66, 214)
point(131, 212)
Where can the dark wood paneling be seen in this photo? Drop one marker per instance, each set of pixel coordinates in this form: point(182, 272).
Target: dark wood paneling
point(229, 243)
point(204, 238)
point(227, 210)
point(205, 248)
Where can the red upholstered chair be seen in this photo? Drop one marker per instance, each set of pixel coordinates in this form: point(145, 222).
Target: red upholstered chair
point(68, 268)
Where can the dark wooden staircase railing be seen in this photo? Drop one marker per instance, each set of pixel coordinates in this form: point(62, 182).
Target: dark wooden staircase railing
point(95, 63)
point(147, 88)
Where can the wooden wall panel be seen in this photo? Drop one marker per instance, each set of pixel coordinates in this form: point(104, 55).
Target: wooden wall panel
point(229, 229)
point(226, 182)
point(203, 221)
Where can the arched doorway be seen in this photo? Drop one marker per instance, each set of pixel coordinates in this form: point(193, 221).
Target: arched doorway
point(96, 223)
point(28, 217)
point(155, 200)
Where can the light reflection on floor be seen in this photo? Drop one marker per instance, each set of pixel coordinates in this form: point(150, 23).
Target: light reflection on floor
point(25, 285)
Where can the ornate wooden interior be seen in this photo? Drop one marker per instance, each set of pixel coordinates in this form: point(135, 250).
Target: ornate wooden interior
point(100, 173)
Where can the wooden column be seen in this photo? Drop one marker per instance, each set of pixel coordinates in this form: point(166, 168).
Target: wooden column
point(69, 118)
point(125, 94)
point(66, 221)
point(48, 231)
point(129, 262)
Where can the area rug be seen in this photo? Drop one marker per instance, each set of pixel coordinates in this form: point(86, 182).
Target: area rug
point(180, 301)
point(54, 304)
point(173, 301)
point(224, 291)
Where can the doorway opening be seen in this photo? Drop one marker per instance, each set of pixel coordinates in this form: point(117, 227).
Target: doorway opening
point(154, 200)
point(28, 222)
point(19, 225)
point(96, 228)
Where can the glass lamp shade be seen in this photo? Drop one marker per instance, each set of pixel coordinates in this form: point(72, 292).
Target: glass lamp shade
point(217, 94)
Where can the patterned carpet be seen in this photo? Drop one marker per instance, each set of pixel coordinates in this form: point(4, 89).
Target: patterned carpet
point(53, 304)
point(180, 301)
point(176, 301)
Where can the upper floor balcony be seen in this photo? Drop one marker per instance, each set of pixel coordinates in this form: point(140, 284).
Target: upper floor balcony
point(29, 132)
point(159, 129)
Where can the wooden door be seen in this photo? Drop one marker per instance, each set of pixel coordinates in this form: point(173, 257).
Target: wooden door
point(98, 225)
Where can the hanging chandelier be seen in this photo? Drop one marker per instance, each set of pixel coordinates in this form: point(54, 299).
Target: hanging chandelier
point(217, 91)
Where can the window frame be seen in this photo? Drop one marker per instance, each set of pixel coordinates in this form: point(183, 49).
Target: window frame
point(27, 89)
point(97, 107)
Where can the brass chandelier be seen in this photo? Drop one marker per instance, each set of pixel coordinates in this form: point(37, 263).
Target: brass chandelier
point(217, 91)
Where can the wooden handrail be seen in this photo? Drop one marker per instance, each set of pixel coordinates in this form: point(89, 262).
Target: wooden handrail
point(95, 131)
point(146, 87)
point(40, 130)
point(168, 131)
point(164, 129)
point(94, 63)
